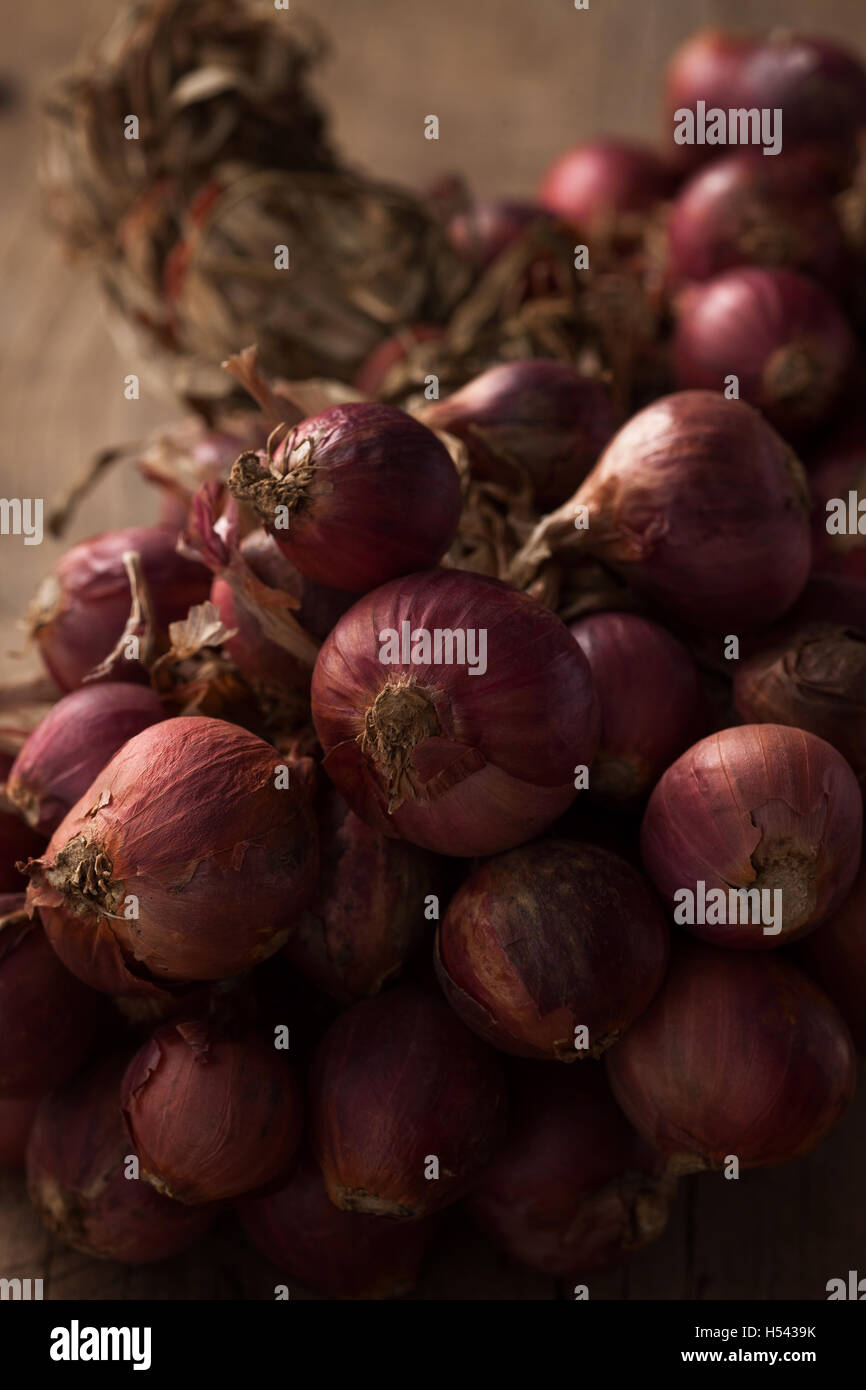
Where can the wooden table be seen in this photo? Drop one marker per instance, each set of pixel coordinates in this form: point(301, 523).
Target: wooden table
point(512, 83)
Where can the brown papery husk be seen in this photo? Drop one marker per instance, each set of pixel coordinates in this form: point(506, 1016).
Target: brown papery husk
point(184, 824)
point(815, 679)
point(207, 82)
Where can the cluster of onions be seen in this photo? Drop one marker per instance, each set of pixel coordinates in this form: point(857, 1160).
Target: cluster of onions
point(517, 678)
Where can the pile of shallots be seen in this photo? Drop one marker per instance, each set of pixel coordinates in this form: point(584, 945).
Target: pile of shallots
point(458, 798)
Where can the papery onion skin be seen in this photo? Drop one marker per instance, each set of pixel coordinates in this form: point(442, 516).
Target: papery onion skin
point(398, 1081)
point(639, 738)
point(547, 939)
point(777, 332)
point(48, 1019)
point(835, 956)
point(371, 494)
point(737, 1055)
point(472, 764)
point(16, 1122)
point(80, 610)
point(535, 413)
point(188, 819)
point(745, 209)
point(342, 1254)
point(758, 806)
point(685, 503)
point(264, 663)
point(595, 182)
point(815, 679)
point(76, 1159)
point(366, 919)
point(212, 1115)
point(71, 745)
point(574, 1190)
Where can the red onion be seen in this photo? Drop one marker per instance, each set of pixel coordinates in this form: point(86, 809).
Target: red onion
point(401, 1090)
point(594, 183)
point(549, 939)
point(639, 738)
point(343, 1254)
point(815, 679)
point(372, 377)
point(536, 421)
point(72, 744)
point(211, 1115)
point(483, 231)
point(737, 1055)
point(366, 918)
point(368, 494)
point(819, 87)
point(458, 762)
point(49, 1019)
point(81, 608)
point(18, 843)
point(835, 956)
point(686, 503)
point(746, 209)
point(837, 468)
point(16, 1122)
point(189, 820)
point(76, 1177)
point(575, 1189)
point(761, 807)
point(780, 334)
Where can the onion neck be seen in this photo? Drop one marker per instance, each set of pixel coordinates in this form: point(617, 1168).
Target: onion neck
point(252, 481)
point(798, 378)
point(83, 872)
point(45, 605)
point(401, 716)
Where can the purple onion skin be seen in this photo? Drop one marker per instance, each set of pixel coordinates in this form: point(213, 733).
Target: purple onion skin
point(744, 209)
point(837, 467)
point(574, 1189)
point(552, 937)
point(75, 1176)
point(395, 1079)
point(366, 919)
point(536, 413)
point(737, 1055)
point(603, 179)
point(72, 744)
point(831, 598)
point(758, 806)
point(640, 737)
point(342, 1254)
point(18, 843)
point(81, 609)
point(50, 1019)
point(780, 334)
point(372, 494)
point(687, 501)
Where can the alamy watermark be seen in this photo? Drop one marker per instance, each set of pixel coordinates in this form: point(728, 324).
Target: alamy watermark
point(439, 646)
point(736, 126)
point(729, 906)
point(22, 516)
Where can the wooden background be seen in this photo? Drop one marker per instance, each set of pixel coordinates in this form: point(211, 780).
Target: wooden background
point(512, 82)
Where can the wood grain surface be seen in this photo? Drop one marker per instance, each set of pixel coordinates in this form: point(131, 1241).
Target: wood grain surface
point(512, 82)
